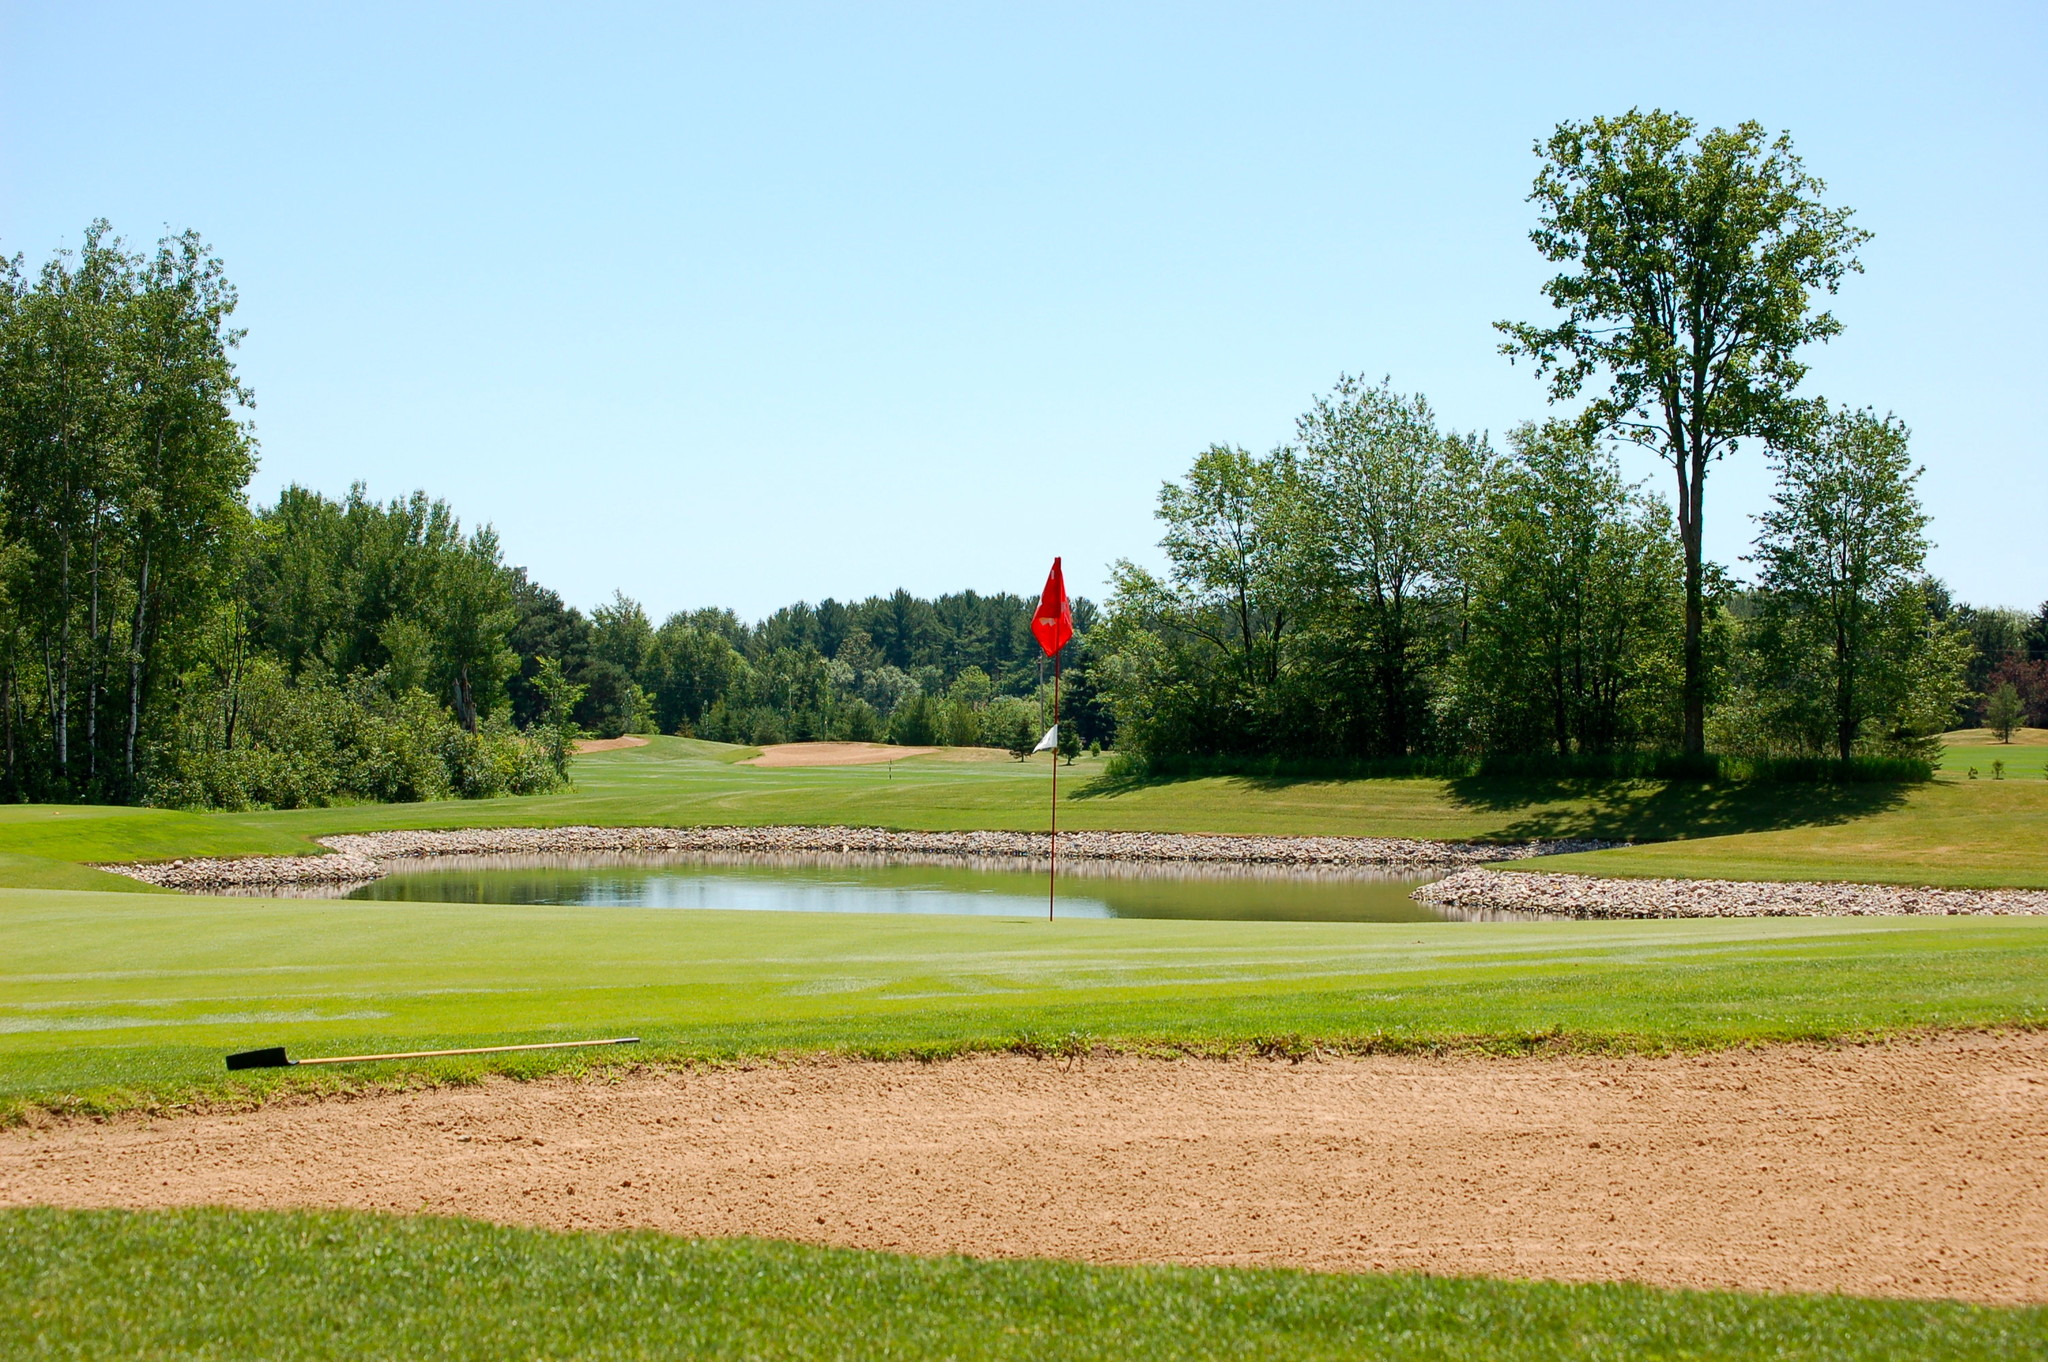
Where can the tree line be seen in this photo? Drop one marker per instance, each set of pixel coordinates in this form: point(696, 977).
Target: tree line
point(1380, 587)
point(1377, 587)
point(959, 669)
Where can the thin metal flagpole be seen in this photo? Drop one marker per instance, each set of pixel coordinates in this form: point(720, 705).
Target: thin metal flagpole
point(1053, 871)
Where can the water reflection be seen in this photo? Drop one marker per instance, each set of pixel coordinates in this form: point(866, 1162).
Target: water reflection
point(1003, 887)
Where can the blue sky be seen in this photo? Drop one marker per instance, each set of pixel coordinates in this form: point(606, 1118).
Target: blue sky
point(746, 304)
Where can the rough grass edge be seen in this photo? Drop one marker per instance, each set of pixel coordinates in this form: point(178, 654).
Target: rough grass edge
point(252, 1090)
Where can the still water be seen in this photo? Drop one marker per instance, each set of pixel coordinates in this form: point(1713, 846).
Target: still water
point(850, 884)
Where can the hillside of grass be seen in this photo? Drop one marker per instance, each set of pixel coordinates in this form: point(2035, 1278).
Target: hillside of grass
point(1952, 831)
point(330, 1285)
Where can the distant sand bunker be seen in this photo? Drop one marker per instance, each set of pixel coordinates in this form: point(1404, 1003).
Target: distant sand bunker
point(584, 745)
point(833, 754)
point(1913, 1169)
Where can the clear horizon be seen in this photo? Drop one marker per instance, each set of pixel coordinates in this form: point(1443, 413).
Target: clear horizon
point(742, 308)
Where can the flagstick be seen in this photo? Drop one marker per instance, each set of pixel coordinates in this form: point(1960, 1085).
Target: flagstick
point(1053, 871)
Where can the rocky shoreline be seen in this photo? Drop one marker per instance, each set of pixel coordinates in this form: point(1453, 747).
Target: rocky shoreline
point(1593, 896)
point(1470, 891)
point(357, 857)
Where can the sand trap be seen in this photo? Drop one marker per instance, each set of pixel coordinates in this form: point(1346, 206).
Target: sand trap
point(1906, 1170)
point(584, 745)
point(833, 754)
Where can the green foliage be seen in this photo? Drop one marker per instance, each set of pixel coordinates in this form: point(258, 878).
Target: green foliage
point(270, 743)
point(123, 457)
point(1849, 655)
point(915, 722)
point(108, 1284)
point(1377, 490)
point(556, 731)
point(1573, 608)
point(2004, 713)
point(1691, 264)
point(354, 587)
point(1308, 595)
point(1013, 725)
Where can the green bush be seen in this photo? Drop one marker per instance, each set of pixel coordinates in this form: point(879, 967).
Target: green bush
point(265, 741)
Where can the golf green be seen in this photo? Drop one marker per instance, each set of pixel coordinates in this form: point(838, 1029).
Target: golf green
point(109, 1000)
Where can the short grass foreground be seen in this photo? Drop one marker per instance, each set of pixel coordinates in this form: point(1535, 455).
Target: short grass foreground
point(219, 1284)
point(111, 1001)
point(1983, 833)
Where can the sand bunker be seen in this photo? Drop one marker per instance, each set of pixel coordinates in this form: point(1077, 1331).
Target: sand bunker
point(833, 754)
point(584, 745)
point(1906, 1170)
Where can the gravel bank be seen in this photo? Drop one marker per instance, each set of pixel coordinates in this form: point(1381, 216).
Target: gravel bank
point(1590, 896)
point(366, 856)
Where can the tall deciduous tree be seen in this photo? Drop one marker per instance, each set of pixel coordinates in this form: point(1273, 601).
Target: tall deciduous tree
point(1841, 556)
point(1574, 583)
point(1376, 491)
point(1223, 540)
point(1693, 262)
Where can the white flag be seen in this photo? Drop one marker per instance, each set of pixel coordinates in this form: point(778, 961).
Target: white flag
point(1050, 741)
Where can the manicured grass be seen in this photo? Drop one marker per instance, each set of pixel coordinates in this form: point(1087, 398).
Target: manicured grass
point(221, 1284)
point(1951, 832)
point(1958, 833)
point(2023, 761)
point(116, 1000)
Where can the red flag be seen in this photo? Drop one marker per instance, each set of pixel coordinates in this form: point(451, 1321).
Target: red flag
point(1053, 625)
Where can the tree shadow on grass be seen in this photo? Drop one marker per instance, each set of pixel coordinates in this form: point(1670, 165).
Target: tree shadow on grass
point(1663, 811)
point(1534, 809)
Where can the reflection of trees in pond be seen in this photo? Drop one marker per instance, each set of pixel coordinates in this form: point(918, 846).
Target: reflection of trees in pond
point(915, 883)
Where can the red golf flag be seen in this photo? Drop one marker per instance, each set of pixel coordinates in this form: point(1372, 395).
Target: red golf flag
point(1053, 625)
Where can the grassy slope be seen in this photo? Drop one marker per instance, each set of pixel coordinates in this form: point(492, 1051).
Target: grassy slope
point(1953, 831)
point(109, 1000)
point(108, 1284)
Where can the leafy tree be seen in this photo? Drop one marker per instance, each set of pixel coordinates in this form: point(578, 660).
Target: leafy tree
point(2004, 713)
point(471, 613)
point(689, 668)
point(915, 722)
point(1225, 542)
point(858, 722)
point(1845, 615)
point(1373, 488)
point(1998, 641)
point(971, 688)
point(1068, 744)
point(1692, 264)
point(621, 634)
point(123, 458)
point(1574, 608)
point(544, 628)
point(556, 723)
point(959, 724)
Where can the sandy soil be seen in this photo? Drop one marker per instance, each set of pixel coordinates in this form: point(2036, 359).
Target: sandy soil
point(833, 754)
point(1914, 1169)
point(608, 744)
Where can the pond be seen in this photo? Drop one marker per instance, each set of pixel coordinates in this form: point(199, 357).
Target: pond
point(871, 884)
